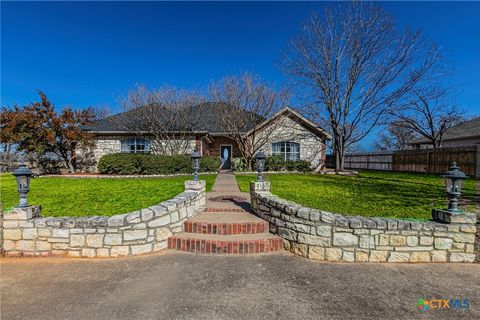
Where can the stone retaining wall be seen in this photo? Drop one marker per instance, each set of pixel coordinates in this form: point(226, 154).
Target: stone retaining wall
point(25, 233)
point(327, 236)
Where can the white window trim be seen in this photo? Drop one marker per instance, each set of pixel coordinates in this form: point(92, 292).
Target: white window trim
point(285, 153)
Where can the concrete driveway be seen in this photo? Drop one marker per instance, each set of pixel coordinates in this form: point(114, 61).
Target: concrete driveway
point(187, 286)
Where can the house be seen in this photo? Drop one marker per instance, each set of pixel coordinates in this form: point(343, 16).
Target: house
point(464, 134)
point(290, 135)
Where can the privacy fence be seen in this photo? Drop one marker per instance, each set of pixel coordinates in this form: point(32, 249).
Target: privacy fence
point(419, 160)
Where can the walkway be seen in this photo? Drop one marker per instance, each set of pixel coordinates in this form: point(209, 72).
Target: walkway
point(226, 225)
point(192, 286)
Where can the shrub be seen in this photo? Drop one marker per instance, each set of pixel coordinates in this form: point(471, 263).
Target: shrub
point(131, 163)
point(302, 165)
point(275, 163)
point(209, 164)
point(239, 164)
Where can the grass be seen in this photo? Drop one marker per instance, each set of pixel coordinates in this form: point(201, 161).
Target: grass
point(87, 197)
point(383, 194)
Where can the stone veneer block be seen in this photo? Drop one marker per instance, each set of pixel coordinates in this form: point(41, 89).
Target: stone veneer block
point(462, 257)
point(260, 186)
point(333, 254)
point(195, 185)
point(399, 257)
point(448, 217)
point(344, 239)
point(22, 213)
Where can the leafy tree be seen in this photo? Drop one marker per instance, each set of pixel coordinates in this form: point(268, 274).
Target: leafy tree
point(39, 129)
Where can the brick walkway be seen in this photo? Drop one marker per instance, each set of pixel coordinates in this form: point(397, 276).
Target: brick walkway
point(226, 225)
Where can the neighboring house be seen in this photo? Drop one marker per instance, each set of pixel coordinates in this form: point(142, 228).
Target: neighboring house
point(464, 134)
point(292, 136)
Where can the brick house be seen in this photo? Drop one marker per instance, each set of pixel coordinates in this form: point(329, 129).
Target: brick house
point(291, 135)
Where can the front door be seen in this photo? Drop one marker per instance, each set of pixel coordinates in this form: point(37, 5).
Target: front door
point(226, 156)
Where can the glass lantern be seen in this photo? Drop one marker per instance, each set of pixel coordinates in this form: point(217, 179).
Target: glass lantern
point(22, 175)
point(454, 179)
point(196, 165)
point(260, 157)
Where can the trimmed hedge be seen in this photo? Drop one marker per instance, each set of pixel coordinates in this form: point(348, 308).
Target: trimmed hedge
point(274, 163)
point(135, 163)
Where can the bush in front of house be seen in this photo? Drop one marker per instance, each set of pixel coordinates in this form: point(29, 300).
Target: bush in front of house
point(239, 164)
point(135, 163)
point(273, 163)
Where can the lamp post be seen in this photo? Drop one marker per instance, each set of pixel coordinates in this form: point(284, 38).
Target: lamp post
point(453, 183)
point(260, 165)
point(195, 159)
point(23, 175)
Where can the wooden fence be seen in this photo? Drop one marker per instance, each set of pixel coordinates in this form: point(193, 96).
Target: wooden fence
point(417, 160)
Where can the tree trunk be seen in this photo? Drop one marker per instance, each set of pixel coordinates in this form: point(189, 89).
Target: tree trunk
point(248, 163)
point(339, 155)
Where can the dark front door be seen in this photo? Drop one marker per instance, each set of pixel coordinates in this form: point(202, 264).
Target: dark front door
point(226, 156)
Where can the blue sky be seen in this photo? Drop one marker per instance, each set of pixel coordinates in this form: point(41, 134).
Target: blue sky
point(88, 53)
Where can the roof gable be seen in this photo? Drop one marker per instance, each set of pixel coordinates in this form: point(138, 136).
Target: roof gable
point(308, 124)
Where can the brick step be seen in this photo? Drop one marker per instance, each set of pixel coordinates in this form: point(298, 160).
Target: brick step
point(222, 223)
point(203, 227)
point(226, 244)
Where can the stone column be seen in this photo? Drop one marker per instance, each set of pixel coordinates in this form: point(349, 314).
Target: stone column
point(197, 186)
point(258, 187)
point(13, 223)
point(446, 216)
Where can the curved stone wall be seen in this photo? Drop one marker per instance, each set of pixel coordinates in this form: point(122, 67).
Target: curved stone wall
point(25, 233)
point(327, 236)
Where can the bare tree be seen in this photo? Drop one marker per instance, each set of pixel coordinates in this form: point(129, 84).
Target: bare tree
point(246, 104)
point(396, 137)
point(352, 65)
point(164, 114)
point(428, 113)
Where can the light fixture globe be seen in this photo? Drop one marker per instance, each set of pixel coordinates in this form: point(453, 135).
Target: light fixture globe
point(22, 175)
point(454, 179)
point(196, 165)
point(260, 157)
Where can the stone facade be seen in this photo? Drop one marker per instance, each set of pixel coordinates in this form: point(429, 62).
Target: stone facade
point(25, 233)
point(113, 144)
point(327, 236)
point(106, 145)
point(312, 147)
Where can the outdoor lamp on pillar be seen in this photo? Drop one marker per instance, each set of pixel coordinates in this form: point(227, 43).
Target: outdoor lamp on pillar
point(260, 157)
point(453, 183)
point(23, 175)
point(196, 166)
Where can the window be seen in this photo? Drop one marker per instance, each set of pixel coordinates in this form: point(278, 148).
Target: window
point(136, 145)
point(288, 150)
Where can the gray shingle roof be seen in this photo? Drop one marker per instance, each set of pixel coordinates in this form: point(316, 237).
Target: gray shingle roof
point(207, 119)
point(467, 129)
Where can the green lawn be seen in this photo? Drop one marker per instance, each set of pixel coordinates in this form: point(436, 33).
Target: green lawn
point(87, 197)
point(384, 194)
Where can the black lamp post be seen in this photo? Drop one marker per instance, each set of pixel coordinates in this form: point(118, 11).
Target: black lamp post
point(23, 175)
point(453, 183)
point(196, 166)
point(260, 165)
